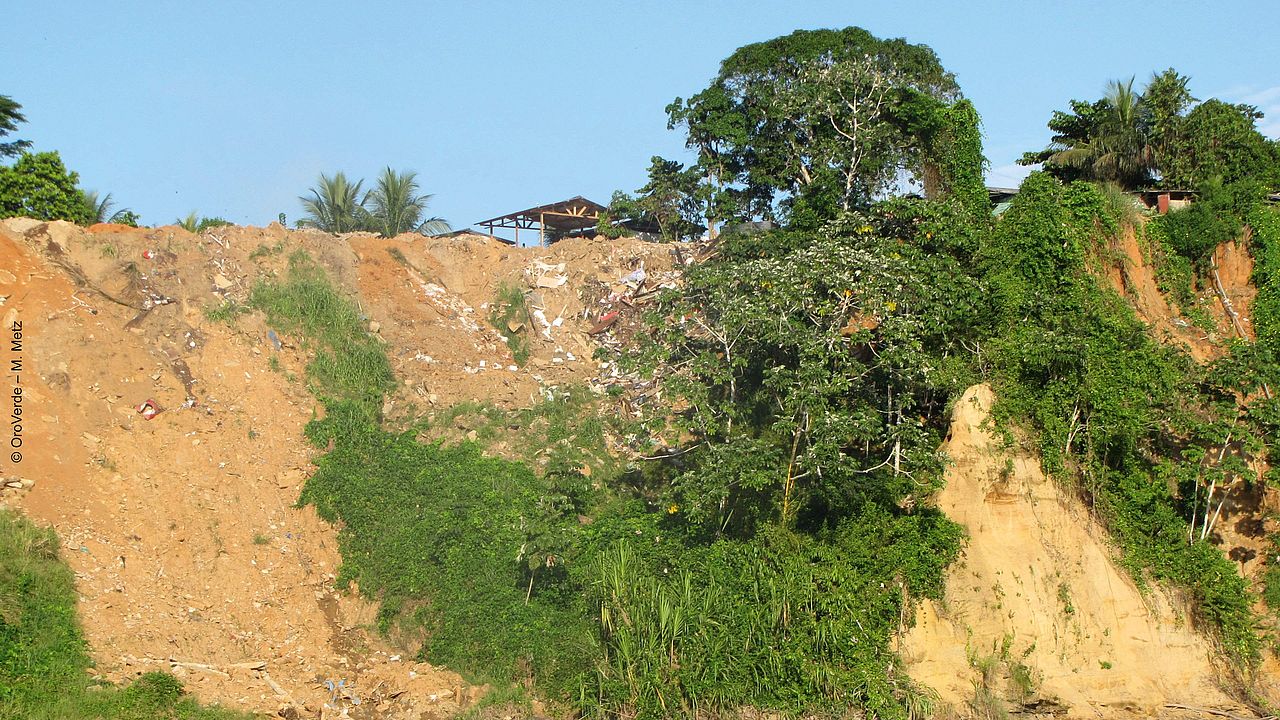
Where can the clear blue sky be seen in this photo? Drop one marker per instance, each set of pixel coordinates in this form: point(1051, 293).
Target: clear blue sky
point(233, 108)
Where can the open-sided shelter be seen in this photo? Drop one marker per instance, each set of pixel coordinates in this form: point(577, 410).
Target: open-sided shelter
point(575, 216)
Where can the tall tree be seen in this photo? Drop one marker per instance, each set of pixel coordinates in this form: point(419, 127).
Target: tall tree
point(671, 203)
point(809, 123)
point(335, 205)
point(10, 116)
point(395, 206)
point(1220, 142)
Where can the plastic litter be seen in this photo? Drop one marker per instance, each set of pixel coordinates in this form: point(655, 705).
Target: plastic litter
point(148, 409)
point(635, 277)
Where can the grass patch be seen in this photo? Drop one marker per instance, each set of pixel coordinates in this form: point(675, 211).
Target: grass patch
point(225, 312)
point(43, 658)
point(467, 553)
point(264, 250)
point(349, 364)
point(509, 314)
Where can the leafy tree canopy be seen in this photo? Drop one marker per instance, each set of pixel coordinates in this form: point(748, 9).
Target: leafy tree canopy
point(814, 122)
point(40, 186)
point(669, 205)
point(1161, 134)
point(393, 206)
point(10, 116)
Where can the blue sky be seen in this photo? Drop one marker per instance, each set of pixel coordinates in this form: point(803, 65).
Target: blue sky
point(233, 108)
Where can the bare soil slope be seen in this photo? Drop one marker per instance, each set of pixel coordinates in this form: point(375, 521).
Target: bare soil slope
point(189, 552)
point(1037, 587)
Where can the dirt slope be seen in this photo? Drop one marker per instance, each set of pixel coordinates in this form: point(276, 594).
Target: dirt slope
point(188, 551)
point(1131, 274)
point(1037, 586)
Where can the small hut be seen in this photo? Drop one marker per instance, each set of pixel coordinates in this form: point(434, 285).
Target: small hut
point(553, 221)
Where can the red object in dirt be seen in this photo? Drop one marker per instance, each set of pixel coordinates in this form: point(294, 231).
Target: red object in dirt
point(147, 254)
point(148, 409)
point(603, 324)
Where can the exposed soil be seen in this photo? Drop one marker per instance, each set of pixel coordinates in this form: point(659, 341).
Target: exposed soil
point(188, 549)
point(1037, 585)
point(190, 554)
point(1130, 272)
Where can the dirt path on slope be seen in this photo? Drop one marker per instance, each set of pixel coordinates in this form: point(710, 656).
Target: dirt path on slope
point(188, 552)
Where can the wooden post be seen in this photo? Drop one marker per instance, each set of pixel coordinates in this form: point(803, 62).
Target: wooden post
point(542, 229)
point(517, 236)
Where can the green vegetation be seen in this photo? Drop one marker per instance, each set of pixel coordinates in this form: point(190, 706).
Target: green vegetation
point(349, 367)
point(193, 223)
point(466, 553)
point(393, 206)
point(670, 204)
point(100, 210)
point(10, 116)
point(1135, 139)
point(43, 660)
point(509, 314)
point(814, 121)
point(225, 312)
point(779, 529)
point(1143, 431)
point(39, 186)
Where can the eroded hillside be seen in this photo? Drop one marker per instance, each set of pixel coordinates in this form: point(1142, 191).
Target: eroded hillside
point(182, 527)
point(165, 443)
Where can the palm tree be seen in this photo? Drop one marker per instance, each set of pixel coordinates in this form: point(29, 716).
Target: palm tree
point(1117, 148)
point(396, 207)
point(190, 223)
point(100, 209)
point(335, 205)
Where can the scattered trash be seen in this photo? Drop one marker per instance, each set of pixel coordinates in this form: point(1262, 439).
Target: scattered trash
point(274, 338)
point(148, 409)
point(604, 322)
point(635, 278)
point(148, 255)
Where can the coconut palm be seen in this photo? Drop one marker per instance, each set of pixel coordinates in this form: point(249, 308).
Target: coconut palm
point(100, 209)
point(395, 206)
point(1117, 148)
point(335, 205)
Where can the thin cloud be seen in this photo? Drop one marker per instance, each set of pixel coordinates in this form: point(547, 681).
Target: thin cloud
point(1010, 175)
point(1268, 101)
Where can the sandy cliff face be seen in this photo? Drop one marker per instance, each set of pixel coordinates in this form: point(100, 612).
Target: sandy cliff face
point(1036, 607)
